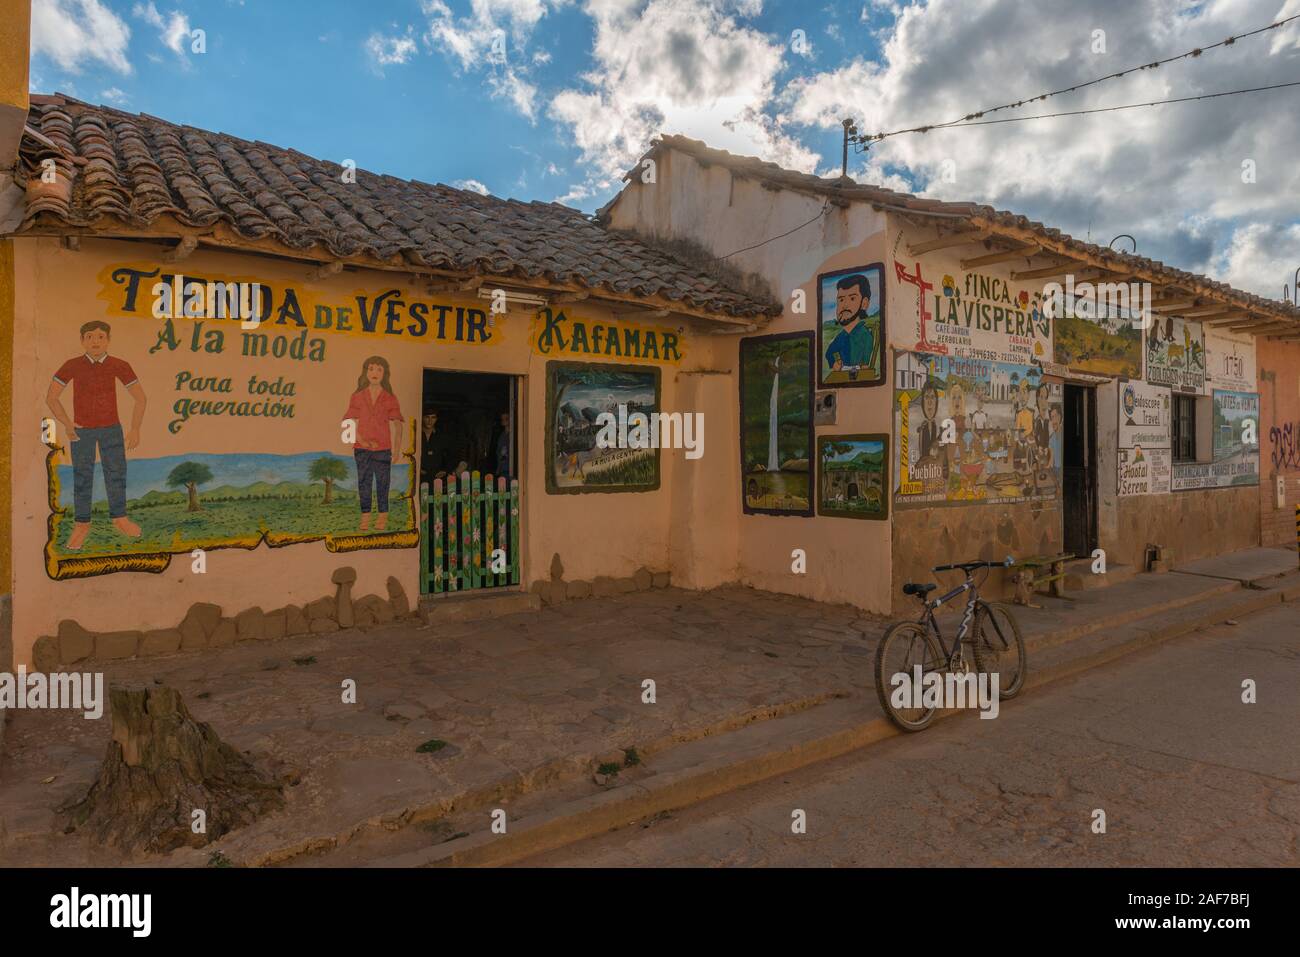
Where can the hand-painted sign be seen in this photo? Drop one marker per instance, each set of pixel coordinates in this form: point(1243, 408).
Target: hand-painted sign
point(969, 430)
point(1144, 453)
point(1235, 429)
point(1176, 354)
point(554, 334)
point(978, 317)
point(1230, 360)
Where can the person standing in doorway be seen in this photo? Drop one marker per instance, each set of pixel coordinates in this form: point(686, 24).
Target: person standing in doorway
point(378, 417)
point(94, 425)
point(503, 447)
point(435, 449)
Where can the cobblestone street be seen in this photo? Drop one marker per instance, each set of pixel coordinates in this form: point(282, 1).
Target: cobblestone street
point(1186, 773)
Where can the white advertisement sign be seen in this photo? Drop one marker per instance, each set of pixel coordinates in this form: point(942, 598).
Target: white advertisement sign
point(1230, 360)
point(1145, 457)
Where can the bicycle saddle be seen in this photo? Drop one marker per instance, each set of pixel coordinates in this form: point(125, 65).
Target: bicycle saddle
point(912, 588)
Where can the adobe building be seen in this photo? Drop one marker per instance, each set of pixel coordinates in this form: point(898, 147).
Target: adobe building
point(1006, 429)
point(248, 343)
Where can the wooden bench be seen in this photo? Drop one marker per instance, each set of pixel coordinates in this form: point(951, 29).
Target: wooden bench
point(1029, 573)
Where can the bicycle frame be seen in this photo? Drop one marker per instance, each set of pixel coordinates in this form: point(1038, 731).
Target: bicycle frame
point(927, 618)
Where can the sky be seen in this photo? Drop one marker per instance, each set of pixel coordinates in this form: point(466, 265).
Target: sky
point(554, 100)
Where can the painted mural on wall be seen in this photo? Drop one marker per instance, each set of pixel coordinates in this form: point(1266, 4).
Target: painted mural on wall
point(1235, 430)
point(578, 458)
point(180, 358)
point(1176, 354)
point(776, 430)
point(850, 327)
point(556, 335)
point(970, 430)
point(1229, 360)
point(853, 476)
point(1145, 445)
point(1098, 338)
point(975, 316)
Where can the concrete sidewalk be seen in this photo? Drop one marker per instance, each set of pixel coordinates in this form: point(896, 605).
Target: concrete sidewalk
point(747, 684)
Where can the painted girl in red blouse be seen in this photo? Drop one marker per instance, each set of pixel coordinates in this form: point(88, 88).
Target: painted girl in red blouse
point(378, 419)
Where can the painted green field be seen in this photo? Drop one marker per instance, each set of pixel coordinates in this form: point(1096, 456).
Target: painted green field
point(167, 526)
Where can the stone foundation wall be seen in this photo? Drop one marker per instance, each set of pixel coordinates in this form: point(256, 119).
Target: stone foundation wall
point(1193, 524)
point(555, 590)
point(925, 537)
point(206, 626)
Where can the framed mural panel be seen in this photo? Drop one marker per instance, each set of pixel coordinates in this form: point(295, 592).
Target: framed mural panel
point(776, 424)
point(1098, 339)
point(853, 476)
point(1229, 360)
point(851, 327)
point(974, 431)
point(1176, 354)
point(578, 459)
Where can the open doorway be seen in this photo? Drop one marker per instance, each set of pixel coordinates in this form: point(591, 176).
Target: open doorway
point(468, 477)
point(1079, 470)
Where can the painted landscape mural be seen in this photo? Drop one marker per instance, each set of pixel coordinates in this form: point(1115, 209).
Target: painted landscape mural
point(577, 395)
point(853, 476)
point(969, 430)
point(776, 430)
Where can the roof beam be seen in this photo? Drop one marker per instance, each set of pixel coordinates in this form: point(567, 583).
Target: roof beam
point(1045, 272)
point(1024, 252)
point(947, 240)
point(1265, 327)
point(325, 270)
point(648, 313)
point(1236, 316)
point(1216, 311)
point(182, 249)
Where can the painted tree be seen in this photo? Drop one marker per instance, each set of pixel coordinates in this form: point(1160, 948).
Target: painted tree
point(190, 475)
point(329, 470)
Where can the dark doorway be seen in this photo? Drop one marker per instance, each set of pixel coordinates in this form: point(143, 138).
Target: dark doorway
point(1079, 470)
point(468, 477)
point(473, 411)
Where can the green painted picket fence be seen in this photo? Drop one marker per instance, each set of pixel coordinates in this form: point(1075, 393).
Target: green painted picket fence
point(463, 523)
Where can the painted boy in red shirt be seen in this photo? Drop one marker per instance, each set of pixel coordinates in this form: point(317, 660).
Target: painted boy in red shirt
point(378, 417)
point(94, 425)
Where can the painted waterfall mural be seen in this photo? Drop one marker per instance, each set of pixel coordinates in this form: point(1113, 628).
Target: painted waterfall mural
point(776, 432)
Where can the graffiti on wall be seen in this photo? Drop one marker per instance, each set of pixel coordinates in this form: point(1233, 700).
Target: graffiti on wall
point(978, 317)
point(1176, 354)
point(1235, 431)
point(1145, 446)
point(578, 395)
point(969, 430)
point(1285, 449)
point(776, 424)
point(850, 326)
point(853, 476)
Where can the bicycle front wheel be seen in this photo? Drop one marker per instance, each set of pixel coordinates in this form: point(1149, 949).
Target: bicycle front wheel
point(1000, 648)
point(902, 648)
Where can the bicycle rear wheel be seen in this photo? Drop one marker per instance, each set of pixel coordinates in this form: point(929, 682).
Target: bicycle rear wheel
point(901, 649)
point(1000, 648)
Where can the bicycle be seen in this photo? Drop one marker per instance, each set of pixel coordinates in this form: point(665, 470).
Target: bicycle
point(995, 637)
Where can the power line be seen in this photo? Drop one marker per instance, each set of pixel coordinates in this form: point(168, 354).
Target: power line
point(1127, 106)
point(825, 206)
point(966, 120)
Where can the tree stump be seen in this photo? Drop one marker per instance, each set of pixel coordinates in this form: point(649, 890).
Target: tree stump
point(160, 768)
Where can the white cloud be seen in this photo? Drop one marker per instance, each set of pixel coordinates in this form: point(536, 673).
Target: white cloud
point(173, 31)
point(674, 66)
point(1138, 171)
point(113, 95)
point(473, 185)
point(391, 50)
point(75, 32)
point(493, 39)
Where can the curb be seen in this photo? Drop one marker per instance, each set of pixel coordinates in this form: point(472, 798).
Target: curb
point(608, 810)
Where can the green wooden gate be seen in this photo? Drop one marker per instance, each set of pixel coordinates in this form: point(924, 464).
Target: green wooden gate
point(463, 525)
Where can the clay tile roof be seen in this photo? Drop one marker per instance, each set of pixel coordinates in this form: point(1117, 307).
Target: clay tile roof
point(134, 170)
point(845, 189)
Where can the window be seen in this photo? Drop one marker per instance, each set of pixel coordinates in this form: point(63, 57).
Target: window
point(1184, 431)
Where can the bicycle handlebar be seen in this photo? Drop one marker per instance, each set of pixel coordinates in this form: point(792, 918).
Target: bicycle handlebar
point(968, 567)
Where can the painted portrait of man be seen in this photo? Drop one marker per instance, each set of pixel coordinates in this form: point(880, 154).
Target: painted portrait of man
point(850, 326)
